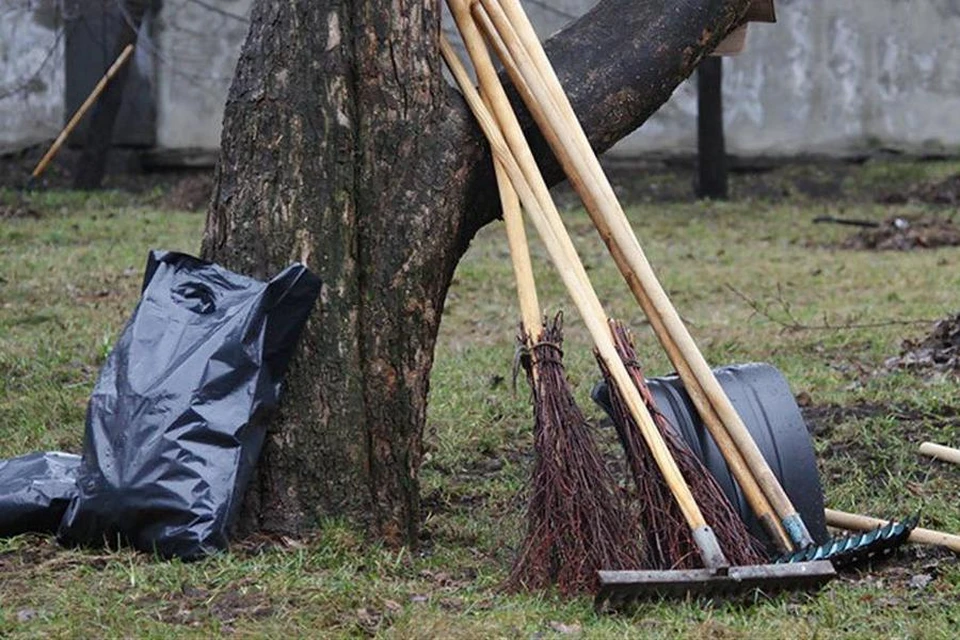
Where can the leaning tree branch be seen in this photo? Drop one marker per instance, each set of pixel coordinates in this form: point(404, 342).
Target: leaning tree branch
point(618, 63)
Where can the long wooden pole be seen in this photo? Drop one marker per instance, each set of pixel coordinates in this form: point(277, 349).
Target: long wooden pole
point(559, 139)
point(856, 522)
point(940, 452)
point(547, 220)
point(78, 115)
point(519, 255)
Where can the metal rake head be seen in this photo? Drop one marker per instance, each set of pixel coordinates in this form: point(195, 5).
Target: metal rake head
point(622, 589)
point(856, 548)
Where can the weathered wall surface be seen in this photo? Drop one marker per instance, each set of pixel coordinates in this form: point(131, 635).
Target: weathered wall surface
point(829, 78)
point(834, 78)
point(31, 73)
point(199, 51)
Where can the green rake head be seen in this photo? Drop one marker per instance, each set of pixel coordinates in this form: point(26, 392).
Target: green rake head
point(854, 549)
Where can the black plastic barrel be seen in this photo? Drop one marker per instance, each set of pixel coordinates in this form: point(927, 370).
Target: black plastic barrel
point(762, 397)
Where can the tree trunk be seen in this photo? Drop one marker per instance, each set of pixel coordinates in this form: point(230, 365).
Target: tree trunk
point(344, 148)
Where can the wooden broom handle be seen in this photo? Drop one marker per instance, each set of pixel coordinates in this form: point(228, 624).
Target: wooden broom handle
point(71, 125)
point(855, 522)
point(738, 467)
point(508, 129)
point(940, 452)
point(519, 255)
point(642, 280)
point(563, 255)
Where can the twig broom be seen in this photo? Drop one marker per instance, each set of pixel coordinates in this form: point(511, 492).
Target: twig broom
point(669, 541)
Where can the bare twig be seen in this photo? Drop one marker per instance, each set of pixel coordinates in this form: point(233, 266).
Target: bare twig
point(780, 312)
point(24, 84)
point(200, 81)
point(850, 222)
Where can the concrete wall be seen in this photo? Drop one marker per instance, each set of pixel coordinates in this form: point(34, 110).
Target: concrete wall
point(31, 73)
point(199, 52)
point(835, 78)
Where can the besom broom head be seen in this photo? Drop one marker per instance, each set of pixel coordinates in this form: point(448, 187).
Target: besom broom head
point(668, 539)
point(577, 522)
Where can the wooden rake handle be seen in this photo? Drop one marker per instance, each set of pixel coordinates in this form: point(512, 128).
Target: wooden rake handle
point(856, 522)
point(549, 99)
point(546, 219)
point(940, 452)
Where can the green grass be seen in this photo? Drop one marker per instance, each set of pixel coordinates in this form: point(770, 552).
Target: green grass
point(69, 279)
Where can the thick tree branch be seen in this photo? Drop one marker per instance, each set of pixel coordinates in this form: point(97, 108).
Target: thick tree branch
point(618, 63)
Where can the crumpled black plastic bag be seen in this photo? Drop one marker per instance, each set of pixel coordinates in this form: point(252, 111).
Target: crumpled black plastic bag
point(177, 418)
point(35, 490)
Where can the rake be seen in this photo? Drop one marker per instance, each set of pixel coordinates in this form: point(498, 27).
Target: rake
point(509, 31)
point(857, 548)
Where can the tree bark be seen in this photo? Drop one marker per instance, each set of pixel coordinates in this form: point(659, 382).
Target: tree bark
point(344, 148)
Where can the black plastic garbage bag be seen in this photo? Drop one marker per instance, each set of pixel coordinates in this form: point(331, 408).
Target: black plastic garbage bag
point(35, 490)
point(177, 418)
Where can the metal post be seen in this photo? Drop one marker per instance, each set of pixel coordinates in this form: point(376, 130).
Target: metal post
point(712, 157)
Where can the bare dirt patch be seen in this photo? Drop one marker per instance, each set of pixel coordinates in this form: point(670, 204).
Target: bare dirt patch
point(639, 180)
point(36, 550)
point(913, 425)
point(125, 172)
point(822, 418)
point(192, 606)
point(906, 234)
point(913, 576)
